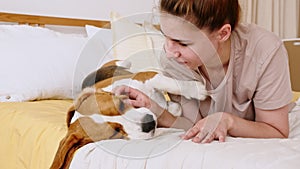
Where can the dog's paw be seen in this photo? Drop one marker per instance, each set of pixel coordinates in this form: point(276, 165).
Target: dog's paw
point(196, 91)
point(188, 89)
point(174, 108)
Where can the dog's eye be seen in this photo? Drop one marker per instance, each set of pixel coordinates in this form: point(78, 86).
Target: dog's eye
point(121, 106)
point(117, 129)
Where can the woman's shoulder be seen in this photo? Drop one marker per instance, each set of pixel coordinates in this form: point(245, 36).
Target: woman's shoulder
point(256, 41)
point(252, 30)
point(253, 33)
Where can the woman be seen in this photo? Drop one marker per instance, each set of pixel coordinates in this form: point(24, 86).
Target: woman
point(244, 67)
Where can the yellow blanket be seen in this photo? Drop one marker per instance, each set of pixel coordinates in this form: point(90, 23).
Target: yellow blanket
point(296, 96)
point(30, 133)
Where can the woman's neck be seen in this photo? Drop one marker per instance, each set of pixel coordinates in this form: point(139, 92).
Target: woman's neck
point(215, 75)
point(224, 51)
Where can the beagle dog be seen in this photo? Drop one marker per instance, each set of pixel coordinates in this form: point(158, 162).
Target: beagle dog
point(97, 114)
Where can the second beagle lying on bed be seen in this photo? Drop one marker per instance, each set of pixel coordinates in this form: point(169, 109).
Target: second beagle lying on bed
point(97, 114)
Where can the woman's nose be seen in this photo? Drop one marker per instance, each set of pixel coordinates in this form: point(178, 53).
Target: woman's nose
point(172, 48)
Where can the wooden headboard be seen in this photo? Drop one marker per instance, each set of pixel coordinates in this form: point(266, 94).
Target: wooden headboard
point(293, 49)
point(49, 20)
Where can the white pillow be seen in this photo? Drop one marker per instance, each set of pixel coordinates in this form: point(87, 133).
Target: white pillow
point(104, 33)
point(37, 63)
point(134, 42)
point(94, 54)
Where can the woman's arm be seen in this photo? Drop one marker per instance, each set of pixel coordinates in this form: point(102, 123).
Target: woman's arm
point(268, 124)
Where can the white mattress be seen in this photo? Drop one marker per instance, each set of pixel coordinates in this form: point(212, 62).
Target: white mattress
point(168, 151)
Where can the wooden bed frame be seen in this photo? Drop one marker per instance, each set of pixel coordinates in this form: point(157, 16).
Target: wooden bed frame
point(36, 20)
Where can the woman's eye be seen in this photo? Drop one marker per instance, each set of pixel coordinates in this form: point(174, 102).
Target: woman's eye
point(183, 44)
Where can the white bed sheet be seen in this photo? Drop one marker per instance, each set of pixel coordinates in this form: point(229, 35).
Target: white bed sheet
point(168, 151)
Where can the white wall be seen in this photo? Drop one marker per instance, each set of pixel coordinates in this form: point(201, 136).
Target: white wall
point(86, 9)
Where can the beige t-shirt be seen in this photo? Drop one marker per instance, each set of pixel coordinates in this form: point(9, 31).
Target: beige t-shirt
point(257, 76)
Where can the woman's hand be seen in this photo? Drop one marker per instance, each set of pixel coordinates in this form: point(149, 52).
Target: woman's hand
point(138, 99)
point(213, 127)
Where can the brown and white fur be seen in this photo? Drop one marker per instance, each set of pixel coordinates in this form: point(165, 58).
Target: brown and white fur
point(97, 114)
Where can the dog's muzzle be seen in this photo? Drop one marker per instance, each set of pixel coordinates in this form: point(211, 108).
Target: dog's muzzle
point(139, 123)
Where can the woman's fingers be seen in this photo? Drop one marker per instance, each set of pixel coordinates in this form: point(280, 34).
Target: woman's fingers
point(192, 132)
point(207, 130)
point(120, 90)
point(204, 136)
point(216, 135)
point(199, 135)
point(136, 98)
point(126, 90)
point(221, 138)
point(136, 103)
point(208, 137)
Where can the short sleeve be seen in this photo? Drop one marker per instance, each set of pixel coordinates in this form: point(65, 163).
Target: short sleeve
point(274, 88)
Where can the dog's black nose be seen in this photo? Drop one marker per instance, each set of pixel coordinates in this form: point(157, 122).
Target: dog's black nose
point(148, 123)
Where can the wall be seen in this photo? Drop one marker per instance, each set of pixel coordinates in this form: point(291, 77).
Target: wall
point(86, 9)
point(278, 16)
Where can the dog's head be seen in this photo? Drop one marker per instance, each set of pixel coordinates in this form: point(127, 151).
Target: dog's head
point(98, 115)
point(105, 107)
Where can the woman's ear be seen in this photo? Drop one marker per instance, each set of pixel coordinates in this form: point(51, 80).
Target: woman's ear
point(224, 33)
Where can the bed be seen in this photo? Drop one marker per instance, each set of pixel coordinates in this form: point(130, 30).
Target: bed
point(41, 70)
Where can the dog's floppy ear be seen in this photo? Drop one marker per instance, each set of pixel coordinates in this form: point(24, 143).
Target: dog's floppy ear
point(83, 131)
point(77, 103)
point(87, 92)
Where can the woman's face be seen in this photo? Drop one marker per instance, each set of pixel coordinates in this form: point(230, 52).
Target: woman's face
point(185, 43)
